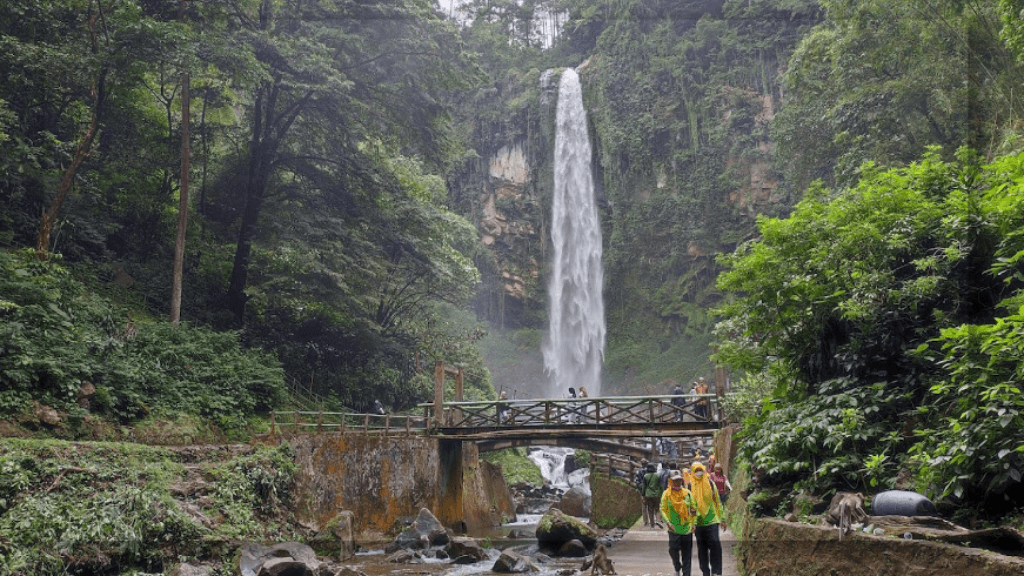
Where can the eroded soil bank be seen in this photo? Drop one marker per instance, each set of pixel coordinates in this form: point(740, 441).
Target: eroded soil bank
point(778, 548)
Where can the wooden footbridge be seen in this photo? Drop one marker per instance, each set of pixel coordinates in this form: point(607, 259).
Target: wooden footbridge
point(626, 425)
point(632, 426)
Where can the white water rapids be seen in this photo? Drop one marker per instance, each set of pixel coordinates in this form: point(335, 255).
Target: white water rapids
point(574, 350)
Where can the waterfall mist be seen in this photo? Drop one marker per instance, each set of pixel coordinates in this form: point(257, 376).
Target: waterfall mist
point(574, 350)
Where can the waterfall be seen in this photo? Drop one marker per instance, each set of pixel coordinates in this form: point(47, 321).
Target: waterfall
point(574, 349)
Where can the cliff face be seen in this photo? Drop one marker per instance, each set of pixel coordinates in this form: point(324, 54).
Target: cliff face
point(513, 181)
point(680, 115)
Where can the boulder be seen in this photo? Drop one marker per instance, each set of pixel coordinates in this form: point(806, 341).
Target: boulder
point(47, 415)
point(556, 528)
point(282, 567)
point(336, 537)
point(573, 549)
point(575, 502)
point(253, 556)
point(403, 556)
point(425, 531)
point(461, 547)
point(190, 570)
point(513, 563)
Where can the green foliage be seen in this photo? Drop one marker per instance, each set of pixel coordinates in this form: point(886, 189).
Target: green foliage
point(319, 134)
point(108, 507)
point(881, 309)
point(249, 485)
point(976, 451)
point(59, 336)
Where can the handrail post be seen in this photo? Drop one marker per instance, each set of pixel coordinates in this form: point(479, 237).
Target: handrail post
point(460, 383)
point(344, 424)
point(272, 423)
point(387, 425)
point(438, 393)
point(366, 424)
point(295, 420)
point(320, 422)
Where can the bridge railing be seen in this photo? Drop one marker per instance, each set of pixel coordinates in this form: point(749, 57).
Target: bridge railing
point(613, 465)
point(569, 411)
point(347, 422)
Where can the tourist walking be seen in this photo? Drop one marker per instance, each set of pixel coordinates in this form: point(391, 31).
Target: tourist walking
point(679, 514)
point(720, 481)
point(652, 494)
point(641, 487)
point(666, 473)
point(709, 518)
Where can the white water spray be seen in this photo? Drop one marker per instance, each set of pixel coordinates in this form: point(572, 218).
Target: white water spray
point(574, 351)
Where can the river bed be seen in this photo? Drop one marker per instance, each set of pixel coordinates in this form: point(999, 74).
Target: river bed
point(551, 461)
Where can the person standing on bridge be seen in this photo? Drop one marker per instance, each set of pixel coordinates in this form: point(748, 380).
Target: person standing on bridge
point(709, 519)
point(679, 514)
point(679, 402)
point(586, 408)
point(574, 416)
point(502, 407)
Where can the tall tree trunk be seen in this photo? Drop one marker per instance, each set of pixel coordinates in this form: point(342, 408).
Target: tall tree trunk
point(84, 147)
point(255, 190)
point(179, 243)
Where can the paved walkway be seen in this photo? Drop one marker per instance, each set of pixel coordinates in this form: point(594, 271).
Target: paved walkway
point(644, 552)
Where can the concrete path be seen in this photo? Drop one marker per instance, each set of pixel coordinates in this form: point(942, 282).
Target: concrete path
point(644, 552)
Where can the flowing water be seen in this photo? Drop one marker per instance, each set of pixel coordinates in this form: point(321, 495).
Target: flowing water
point(574, 349)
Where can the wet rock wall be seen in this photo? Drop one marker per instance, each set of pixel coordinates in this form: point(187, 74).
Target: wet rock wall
point(386, 481)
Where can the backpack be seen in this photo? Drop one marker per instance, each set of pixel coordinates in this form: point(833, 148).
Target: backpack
point(638, 480)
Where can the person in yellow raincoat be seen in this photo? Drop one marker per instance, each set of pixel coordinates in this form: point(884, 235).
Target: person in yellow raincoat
point(708, 520)
point(679, 514)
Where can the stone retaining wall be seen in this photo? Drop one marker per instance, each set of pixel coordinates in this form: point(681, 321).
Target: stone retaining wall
point(385, 481)
point(777, 548)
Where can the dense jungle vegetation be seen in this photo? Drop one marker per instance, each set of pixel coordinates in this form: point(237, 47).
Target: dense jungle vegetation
point(826, 193)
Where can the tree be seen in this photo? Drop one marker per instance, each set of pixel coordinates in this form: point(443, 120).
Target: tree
point(68, 74)
point(884, 80)
point(845, 306)
point(338, 73)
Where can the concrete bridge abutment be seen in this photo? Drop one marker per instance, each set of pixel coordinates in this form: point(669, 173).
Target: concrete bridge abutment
point(385, 481)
